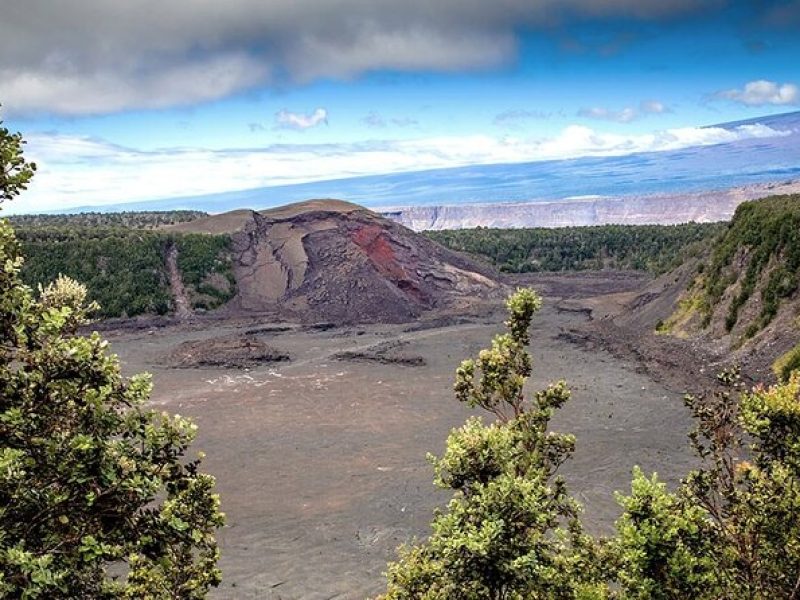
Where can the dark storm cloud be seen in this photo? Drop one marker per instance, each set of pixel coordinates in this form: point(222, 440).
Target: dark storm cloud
point(97, 56)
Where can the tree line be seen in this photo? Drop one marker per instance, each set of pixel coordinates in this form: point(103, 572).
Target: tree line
point(128, 219)
point(652, 248)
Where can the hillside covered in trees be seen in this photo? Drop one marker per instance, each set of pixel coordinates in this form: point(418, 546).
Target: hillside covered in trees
point(751, 276)
point(125, 269)
point(759, 254)
point(652, 248)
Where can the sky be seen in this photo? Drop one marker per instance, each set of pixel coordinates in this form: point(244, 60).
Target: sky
point(145, 99)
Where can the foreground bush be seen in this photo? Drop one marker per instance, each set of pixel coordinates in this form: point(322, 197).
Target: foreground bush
point(512, 531)
point(97, 498)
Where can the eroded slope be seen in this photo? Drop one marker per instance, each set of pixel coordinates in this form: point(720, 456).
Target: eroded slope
point(331, 260)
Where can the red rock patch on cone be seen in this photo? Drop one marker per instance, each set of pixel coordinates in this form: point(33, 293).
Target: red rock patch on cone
point(374, 241)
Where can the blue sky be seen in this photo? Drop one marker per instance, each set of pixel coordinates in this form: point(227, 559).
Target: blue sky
point(139, 100)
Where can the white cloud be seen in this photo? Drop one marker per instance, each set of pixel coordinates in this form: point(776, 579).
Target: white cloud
point(99, 56)
point(77, 171)
point(625, 115)
point(653, 107)
point(376, 120)
point(514, 117)
point(290, 120)
point(763, 92)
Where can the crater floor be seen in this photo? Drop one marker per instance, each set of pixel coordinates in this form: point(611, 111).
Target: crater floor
point(320, 461)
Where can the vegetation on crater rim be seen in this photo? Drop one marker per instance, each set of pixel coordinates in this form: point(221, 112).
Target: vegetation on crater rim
point(125, 269)
point(652, 248)
point(127, 219)
point(759, 253)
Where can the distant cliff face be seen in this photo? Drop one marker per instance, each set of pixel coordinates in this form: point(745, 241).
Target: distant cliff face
point(700, 207)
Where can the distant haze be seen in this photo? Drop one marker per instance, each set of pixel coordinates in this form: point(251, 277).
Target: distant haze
point(752, 160)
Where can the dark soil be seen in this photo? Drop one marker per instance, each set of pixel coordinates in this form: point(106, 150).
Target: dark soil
point(269, 329)
point(320, 462)
point(338, 262)
point(624, 324)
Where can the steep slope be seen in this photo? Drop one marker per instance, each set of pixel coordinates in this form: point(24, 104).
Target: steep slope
point(743, 300)
point(752, 277)
point(327, 260)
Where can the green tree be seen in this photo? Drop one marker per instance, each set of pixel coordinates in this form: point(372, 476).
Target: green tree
point(15, 171)
point(511, 530)
point(664, 547)
point(97, 497)
point(732, 529)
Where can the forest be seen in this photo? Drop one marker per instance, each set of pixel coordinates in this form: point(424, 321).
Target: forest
point(124, 268)
point(652, 248)
point(128, 219)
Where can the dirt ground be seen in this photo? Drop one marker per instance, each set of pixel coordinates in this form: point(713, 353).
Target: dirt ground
point(320, 460)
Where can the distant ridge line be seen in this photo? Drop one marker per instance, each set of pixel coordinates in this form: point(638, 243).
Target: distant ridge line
point(654, 209)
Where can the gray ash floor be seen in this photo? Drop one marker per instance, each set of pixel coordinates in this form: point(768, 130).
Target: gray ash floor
point(321, 462)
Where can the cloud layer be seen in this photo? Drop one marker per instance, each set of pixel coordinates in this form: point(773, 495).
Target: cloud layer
point(762, 93)
point(625, 115)
point(99, 56)
point(77, 171)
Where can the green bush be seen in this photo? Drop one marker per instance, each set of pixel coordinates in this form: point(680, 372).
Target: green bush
point(512, 531)
point(201, 255)
point(787, 363)
point(98, 498)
